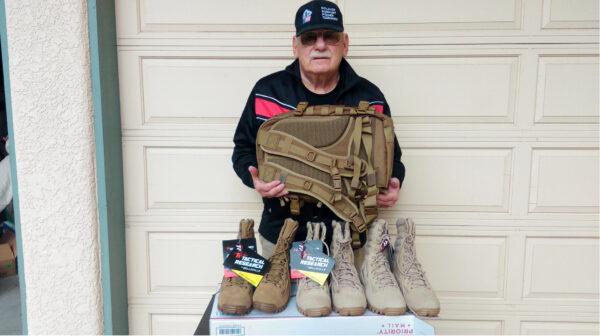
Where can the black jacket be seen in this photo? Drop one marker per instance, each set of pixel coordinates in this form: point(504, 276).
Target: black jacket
point(281, 92)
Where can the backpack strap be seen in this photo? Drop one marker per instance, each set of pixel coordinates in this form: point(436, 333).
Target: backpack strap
point(388, 131)
point(343, 207)
point(356, 243)
point(334, 110)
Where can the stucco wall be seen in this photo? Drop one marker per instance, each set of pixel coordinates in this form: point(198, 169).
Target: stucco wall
point(53, 127)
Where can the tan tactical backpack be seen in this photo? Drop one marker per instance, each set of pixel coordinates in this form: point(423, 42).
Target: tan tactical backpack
point(338, 155)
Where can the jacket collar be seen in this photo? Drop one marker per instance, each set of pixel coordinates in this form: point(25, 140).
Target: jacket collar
point(348, 78)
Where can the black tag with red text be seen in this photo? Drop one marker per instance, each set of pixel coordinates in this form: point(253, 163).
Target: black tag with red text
point(247, 264)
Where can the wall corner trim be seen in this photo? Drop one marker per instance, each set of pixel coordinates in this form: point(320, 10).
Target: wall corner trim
point(109, 164)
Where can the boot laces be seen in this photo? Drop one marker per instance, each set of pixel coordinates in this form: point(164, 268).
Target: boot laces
point(234, 282)
point(412, 269)
point(309, 283)
point(345, 270)
point(279, 262)
point(227, 282)
point(381, 267)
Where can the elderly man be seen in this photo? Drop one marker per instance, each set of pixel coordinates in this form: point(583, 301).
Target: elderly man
point(319, 75)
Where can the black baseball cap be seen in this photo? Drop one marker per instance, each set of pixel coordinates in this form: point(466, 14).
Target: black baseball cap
point(319, 14)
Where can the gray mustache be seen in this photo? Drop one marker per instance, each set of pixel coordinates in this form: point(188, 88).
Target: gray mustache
point(317, 55)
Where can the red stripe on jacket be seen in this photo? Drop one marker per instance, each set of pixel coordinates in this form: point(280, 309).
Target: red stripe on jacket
point(268, 109)
point(378, 107)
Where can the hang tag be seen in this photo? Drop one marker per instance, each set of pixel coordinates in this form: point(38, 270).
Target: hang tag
point(236, 245)
point(308, 260)
point(299, 248)
point(386, 244)
point(247, 264)
point(390, 253)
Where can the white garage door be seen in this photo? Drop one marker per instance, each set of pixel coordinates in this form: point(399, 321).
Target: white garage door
point(495, 104)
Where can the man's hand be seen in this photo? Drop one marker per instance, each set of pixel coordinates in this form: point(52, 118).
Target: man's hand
point(267, 190)
point(390, 197)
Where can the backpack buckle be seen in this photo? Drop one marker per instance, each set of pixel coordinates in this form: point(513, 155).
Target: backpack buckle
point(294, 205)
point(337, 182)
point(300, 108)
point(307, 185)
point(363, 106)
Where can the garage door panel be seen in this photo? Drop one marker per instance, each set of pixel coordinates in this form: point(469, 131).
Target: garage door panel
point(181, 177)
point(569, 14)
point(134, 172)
point(446, 88)
point(239, 15)
point(559, 328)
point(174, 324)
point(565, 180)
point(185, 15)
point(164, 320)
point(567, 89)
point(437, 14)
point(451, 89)
point(174, 263)
point(184, 262)
point(177, 177)
point(561, 268)
point(457, 179)
point(466, 327)
point(173, 94)
point(137, 263)
point(472, 267)
point(130, 92)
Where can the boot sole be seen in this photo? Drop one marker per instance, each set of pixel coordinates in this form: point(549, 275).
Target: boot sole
point(234, 310)
point(315, 312)
point(429, 312)
point(387, 311)
point(268, 307)
point(354, 311)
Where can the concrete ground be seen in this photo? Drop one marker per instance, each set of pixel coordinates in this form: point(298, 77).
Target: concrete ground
point(10, 306)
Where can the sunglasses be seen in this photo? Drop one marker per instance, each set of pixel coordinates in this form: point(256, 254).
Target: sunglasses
point(330, 37)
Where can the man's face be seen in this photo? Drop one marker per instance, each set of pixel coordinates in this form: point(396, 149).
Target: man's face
point(320, 51)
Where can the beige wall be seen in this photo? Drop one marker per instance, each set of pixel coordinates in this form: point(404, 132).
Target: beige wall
point(495, 105)
point(53, 126)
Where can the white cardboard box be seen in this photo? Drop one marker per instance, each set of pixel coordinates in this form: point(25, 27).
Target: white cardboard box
point(291, 322)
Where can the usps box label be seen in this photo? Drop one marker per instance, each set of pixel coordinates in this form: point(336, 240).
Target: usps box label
point(396, 328)
point(230, 330)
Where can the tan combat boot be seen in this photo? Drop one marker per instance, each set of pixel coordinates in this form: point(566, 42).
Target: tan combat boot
point(312, 299)
point(273, 292)
point(382, 291)
point(235, 296)
point(346, 290)
point(414, 285)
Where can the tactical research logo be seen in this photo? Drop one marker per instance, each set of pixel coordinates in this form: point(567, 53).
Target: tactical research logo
point(306, 16)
